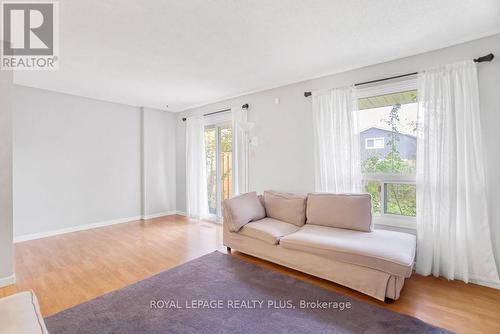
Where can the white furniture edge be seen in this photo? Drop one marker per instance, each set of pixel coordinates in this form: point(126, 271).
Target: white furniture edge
point(20, 313)
point(9, 280)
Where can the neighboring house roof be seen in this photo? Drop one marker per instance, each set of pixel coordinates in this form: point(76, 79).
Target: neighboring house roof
point(389, 131)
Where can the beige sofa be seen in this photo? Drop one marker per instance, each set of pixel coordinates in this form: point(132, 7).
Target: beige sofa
point(326, 235)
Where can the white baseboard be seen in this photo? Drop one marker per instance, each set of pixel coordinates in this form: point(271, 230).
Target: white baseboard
point(159, 214)
point(480, 281)
point(9, 280)
point(181, 213)
point(77, 228)
point(494, 285)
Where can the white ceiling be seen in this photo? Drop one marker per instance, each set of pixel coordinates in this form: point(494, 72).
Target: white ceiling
point(190, 52)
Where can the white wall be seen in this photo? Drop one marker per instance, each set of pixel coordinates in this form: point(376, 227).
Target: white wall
point(284, 158)
point(6, 249)
point(159, 162)
point(77, 161)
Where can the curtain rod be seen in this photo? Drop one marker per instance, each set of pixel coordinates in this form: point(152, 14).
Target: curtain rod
point(245, 106)
point(488, 57)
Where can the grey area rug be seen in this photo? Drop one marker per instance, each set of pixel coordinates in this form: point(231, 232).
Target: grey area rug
point(218, 293)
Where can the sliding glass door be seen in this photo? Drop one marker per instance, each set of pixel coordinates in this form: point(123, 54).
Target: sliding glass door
point(219, 159)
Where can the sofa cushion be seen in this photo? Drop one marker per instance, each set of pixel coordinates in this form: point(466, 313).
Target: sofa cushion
point(243, 209)
point(261, 199)
point(290, 208)
point(268, 230)
point(20, 313)
point(352, 211)
point(387, 251)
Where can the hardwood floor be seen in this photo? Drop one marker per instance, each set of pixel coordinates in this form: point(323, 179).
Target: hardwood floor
point(69, 269)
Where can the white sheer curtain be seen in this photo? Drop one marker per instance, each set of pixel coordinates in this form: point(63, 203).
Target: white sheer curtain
point(336, 141)
point(196, 180)
point(240, 150)
point(453, 230)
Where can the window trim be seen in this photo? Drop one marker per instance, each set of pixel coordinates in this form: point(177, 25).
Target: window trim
point(409, 223)
point(388, 87)
point(389, 219)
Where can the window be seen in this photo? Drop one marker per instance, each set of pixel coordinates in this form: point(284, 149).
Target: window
point(374, 143)
point(400, 199)
point(218, 151)
point(387, 118)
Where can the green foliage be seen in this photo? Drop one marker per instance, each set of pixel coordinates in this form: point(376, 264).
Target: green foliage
point(226, 138)
point(401, 199)
point(392, 163)
point(373, 189)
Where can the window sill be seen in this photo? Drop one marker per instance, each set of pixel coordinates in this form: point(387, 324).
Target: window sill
point(401, 222)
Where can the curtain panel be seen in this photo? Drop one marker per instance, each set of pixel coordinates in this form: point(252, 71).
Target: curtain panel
point(240, 150)
point(196, 179)
point(453, 227)
point(336, 141)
